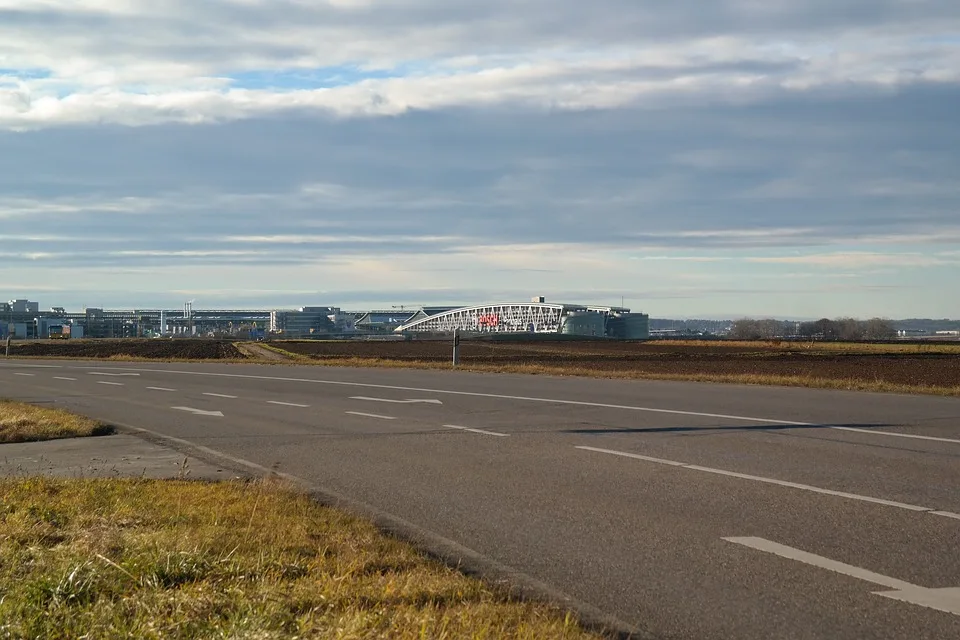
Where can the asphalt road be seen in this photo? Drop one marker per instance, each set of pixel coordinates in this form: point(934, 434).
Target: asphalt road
point(687, 510)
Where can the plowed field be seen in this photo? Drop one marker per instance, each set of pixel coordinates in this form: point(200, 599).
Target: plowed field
point(149, 349)
point(860, 365)
point(918, 366)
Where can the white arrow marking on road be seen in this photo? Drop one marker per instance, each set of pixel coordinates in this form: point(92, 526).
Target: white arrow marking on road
point(98, 373)
point(199, 412)
point(945, 599)
point(431, 401)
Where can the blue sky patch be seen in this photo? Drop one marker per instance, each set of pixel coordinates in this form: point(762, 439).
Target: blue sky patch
point(322, 78)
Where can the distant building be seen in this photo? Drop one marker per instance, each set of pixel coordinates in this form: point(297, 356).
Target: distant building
point(536, 316)
point(23, 306)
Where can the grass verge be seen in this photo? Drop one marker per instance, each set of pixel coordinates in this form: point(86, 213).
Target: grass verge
point(20, 422)
point(184, 559)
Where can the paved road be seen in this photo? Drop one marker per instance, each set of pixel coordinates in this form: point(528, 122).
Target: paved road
point(687, 510)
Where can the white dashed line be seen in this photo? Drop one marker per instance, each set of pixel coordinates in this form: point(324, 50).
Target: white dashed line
point(100, 373)
point(115, 384)
point(160, 389)
point(480, 431)
point(30, 375)
point(219, 395)
point(63, 378)
point(370, 415)
point(288, 404)
point(782, 483)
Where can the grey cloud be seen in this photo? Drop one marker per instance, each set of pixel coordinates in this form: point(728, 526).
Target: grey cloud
point(215, 32)
point(498, 176)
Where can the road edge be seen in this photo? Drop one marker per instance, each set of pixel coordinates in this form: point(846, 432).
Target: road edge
point(447, 551)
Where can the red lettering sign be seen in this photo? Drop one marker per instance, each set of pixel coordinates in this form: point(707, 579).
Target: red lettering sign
point(488, 320)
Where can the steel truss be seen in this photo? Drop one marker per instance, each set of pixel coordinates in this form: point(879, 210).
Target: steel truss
point(530, 317)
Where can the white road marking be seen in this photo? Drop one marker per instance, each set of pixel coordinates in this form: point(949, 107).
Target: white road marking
point(945, 599)
point(100, 373)
point(370, 415)
point(219, 395)
point(947, 514)
point(29, 375)
point(499, 396)
point(431, 401)
point(288, 404)
point(115, 384)
point(875, 432)
point(199, 412)
point(32, 366)
point(481, 431)
point(63, 378)
point(782, 483)
point(160, 389)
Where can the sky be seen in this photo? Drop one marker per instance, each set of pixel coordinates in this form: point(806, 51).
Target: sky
point(692, 159)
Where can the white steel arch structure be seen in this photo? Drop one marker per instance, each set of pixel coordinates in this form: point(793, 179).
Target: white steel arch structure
point(531, 317)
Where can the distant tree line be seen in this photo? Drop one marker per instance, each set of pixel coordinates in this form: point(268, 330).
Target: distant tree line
point(823, 329)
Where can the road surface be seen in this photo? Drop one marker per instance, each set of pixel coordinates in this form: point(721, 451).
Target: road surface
point(685, 510)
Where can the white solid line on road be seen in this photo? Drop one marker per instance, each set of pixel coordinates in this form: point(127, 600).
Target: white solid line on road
point(875, 432)
point(944, 599)
point(31, 366)
point(499, 396)
point(782, 483)
point(947, 514)
point(288, 404)
point(219, 395)
point(199, 412)
point(481, 431)
point(370, 415)
point(636, 456)
point(100, 373)
point(29, 375)
point(63, 378)
point(430, 401)
point(160, 389)
point(115, 384)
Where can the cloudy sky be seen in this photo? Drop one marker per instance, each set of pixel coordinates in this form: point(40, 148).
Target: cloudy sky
point(699, 159)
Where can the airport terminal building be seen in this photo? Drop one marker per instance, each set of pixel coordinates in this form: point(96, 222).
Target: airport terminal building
point(23, 319)
point(536, 316)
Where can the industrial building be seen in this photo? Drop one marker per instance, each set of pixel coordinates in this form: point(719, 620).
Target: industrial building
point(536, 316)
point(23, 319)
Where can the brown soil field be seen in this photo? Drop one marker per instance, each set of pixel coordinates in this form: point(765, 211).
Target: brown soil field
point(130, 348)
point(879, 366)
point(921, 367)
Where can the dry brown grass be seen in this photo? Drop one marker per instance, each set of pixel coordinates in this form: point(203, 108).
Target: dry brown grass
point(180, 559)
point(20, 422)
point(821, 346)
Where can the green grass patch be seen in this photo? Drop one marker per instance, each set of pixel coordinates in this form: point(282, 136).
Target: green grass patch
point(244, 559)
point(20, 422)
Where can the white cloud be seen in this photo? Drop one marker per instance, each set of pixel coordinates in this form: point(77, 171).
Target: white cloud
point(862, 259)
point(141, 63)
